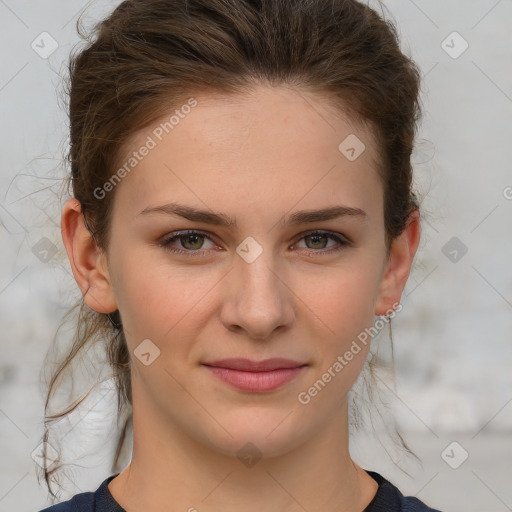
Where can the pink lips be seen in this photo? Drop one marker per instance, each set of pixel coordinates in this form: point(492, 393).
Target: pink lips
point(256, 376)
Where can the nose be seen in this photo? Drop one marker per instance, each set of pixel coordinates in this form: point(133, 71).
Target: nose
point(258, 300)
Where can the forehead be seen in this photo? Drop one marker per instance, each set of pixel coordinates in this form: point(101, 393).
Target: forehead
point(278, 117)
point(274, 143)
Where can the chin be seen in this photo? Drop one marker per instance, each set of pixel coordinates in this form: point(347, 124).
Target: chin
point(258, 434)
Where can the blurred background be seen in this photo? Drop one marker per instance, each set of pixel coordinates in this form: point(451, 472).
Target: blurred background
point(452, 394)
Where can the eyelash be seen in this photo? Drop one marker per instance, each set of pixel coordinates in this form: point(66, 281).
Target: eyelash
point(166, 242)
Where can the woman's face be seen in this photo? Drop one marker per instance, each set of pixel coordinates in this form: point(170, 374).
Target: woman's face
point(260, 288)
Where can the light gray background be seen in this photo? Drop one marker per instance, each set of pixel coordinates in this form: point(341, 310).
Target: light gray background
point(452, 340)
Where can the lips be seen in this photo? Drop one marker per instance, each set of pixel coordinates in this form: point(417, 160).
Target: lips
point(247, 365)
point(256, 376)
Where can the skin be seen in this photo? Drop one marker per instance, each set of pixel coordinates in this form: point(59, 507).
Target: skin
point(257, 158)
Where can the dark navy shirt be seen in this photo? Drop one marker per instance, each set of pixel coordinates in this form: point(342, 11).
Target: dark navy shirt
point(387, 499)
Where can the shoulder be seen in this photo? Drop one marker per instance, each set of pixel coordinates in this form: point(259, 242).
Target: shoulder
point(83, 502)
point(390, 499)
point(412, 504)
point(97, 501)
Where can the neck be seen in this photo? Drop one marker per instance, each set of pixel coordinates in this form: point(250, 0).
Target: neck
point(169, 468)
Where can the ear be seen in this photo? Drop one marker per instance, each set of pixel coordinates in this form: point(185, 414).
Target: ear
point(88, 261)
point(398, 266)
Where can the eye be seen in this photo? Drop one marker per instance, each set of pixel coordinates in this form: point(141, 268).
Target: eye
point(190, 240)
point(318, 240)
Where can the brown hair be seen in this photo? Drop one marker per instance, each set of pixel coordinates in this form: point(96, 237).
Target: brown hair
point(149, 55)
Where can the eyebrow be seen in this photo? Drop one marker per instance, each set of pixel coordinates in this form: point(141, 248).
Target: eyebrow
point(220, 219)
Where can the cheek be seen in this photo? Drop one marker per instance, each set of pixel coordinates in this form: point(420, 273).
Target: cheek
point(156, 299)
point(344, 305)
point(346, 310)
point(140, 290)
point(343, 300)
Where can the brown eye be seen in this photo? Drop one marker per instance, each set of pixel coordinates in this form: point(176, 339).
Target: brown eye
point(317, 241)
point(191, 242)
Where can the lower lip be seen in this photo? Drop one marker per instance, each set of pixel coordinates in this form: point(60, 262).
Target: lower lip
point(256, 381)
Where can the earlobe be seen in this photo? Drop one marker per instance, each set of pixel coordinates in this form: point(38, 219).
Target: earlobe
point(398, 267)
point(87, 260)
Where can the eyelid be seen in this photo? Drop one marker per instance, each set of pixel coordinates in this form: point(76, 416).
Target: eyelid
point(175, 235)
point(318, 231)
point(342, 240)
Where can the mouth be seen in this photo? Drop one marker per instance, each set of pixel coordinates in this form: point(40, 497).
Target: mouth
point(256, 376)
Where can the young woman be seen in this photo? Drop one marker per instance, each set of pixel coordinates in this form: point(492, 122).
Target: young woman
point(241, 211)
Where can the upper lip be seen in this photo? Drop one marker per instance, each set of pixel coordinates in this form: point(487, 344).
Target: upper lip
point(249, 365)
